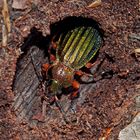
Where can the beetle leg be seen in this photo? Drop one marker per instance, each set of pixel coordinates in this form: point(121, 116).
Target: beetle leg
point(81, 73)
point(41, 115)
point(90, 65)
point(76, 86)
point(52, 58)
point(74, 95)
point(45, 67)
point(58, 104)
point(85, 77)
point(54, 45)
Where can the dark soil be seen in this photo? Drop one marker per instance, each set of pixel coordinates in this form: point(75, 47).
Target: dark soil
point(108, 104)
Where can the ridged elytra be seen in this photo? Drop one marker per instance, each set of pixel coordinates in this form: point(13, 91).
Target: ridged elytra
point(78, 46)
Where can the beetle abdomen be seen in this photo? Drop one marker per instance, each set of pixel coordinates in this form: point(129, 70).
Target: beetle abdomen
point(78, 46)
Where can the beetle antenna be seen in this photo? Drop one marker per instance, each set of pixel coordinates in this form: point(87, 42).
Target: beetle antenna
point(58, 104)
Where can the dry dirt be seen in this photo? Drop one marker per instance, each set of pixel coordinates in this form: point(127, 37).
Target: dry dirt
point(104, 107)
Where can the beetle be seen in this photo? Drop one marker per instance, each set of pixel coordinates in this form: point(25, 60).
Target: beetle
point(73, 50)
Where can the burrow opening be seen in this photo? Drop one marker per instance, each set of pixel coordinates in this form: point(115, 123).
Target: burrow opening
point(63, 26)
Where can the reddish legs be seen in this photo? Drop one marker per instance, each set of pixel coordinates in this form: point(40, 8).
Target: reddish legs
point(45, 67)
point(81, 73)
point(54, 45)
point(90, 65)
point(52, 58)
point(41, 115)
point(58, 104)
point(74, 94)
point(76, 86)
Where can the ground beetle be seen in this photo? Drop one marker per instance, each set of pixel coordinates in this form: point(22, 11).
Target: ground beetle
point(73, 50)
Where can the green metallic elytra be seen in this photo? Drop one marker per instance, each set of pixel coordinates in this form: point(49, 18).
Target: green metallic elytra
point(78, 46)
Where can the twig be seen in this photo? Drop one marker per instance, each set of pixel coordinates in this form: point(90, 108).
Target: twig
point(95, 4)
point(4, 35)
point(6, 28)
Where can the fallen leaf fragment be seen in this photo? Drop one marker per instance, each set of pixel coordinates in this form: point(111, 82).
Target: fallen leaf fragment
point(95, 4)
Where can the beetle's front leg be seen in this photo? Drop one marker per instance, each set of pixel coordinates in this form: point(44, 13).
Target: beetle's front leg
point(76, 87)
point(41, 115)
point(44, 70)
point(45, 67)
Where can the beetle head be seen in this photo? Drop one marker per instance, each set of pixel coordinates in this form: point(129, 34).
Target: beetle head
point(55, 87)
point(62, 74)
